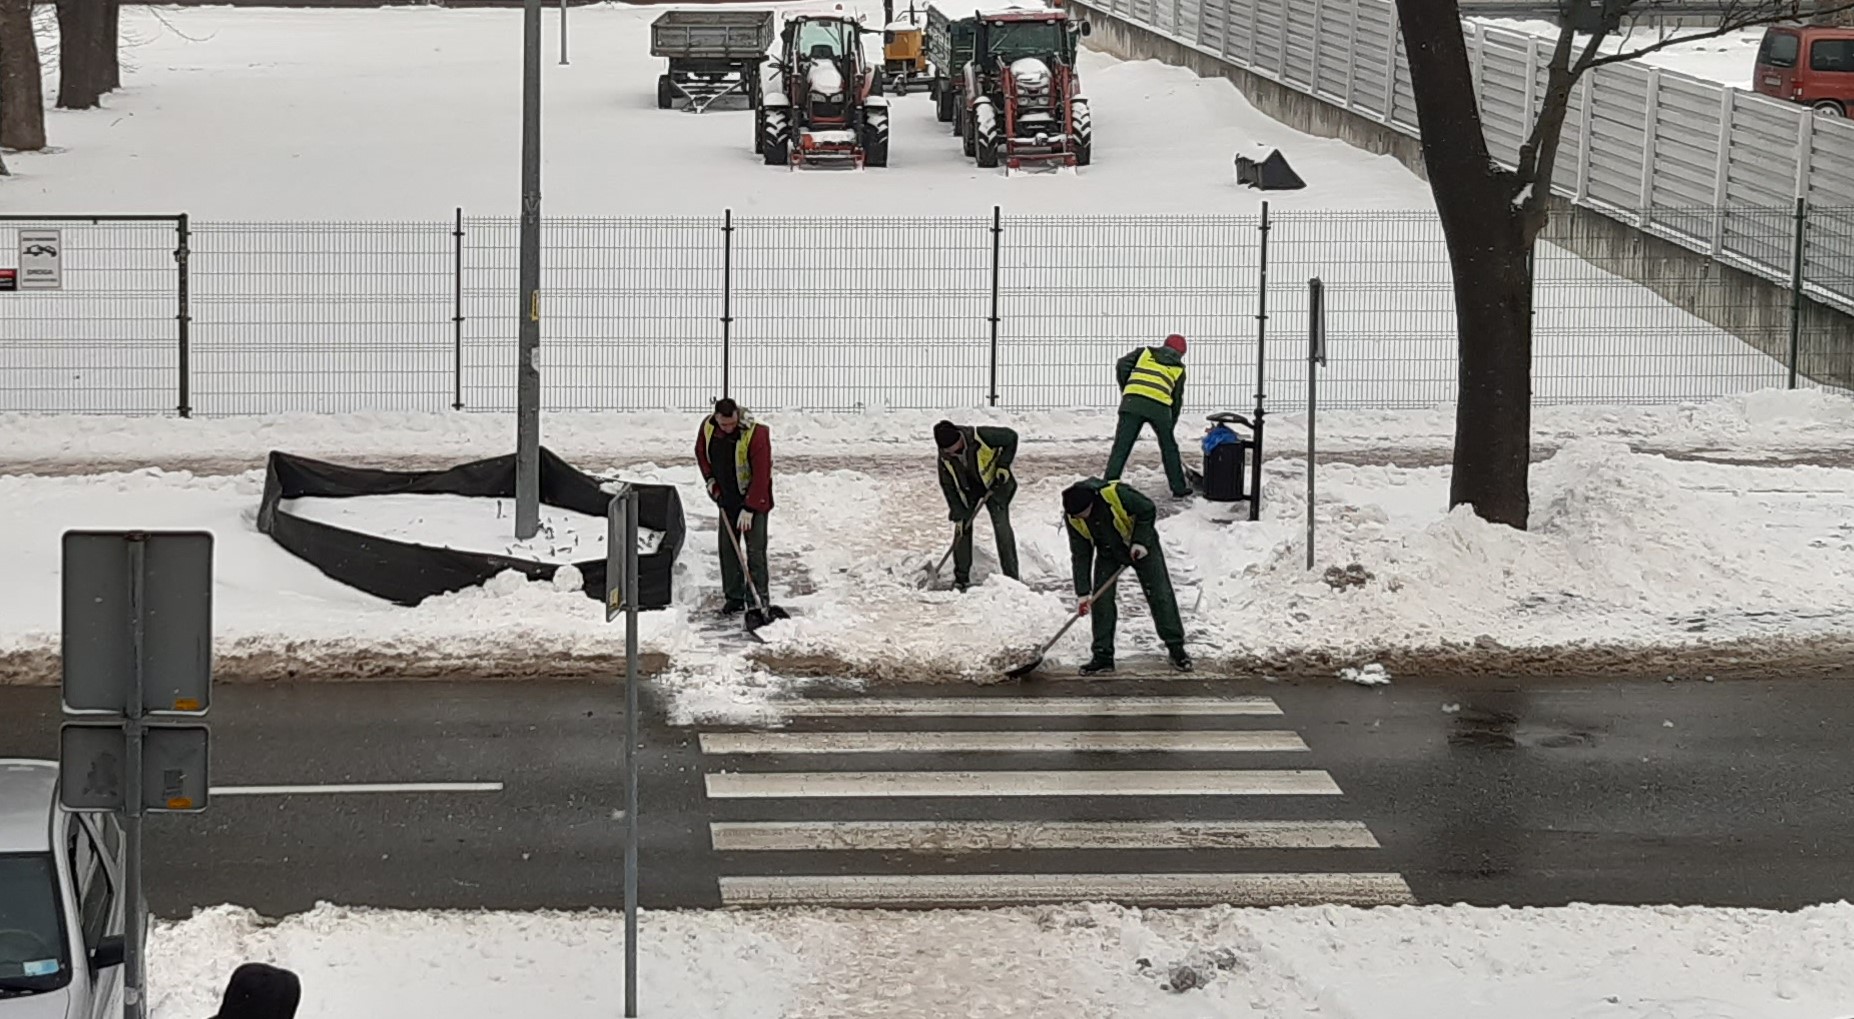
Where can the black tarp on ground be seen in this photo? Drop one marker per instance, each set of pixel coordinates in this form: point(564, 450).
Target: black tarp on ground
point(407, 573)
point(1269, 173)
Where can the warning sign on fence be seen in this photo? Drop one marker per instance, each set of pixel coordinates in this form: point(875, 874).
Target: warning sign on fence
point(9, 279)
point(41, 260)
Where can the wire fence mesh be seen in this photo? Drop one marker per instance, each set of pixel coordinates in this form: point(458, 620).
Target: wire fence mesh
point(844, 314)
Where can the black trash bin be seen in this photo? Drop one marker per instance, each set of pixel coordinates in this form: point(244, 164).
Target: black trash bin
point(1226, 457)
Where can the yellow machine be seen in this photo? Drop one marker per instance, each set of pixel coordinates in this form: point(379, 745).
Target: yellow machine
point(904, 52)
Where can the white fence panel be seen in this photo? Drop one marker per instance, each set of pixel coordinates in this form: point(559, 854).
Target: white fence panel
point(1300, 38)
point(1270, 38)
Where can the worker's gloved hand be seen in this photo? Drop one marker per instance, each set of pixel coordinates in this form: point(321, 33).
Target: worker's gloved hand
point(744, 522)
point(1082, 606)
point(714, 491)
point(1000, 479)
point(1139, 552)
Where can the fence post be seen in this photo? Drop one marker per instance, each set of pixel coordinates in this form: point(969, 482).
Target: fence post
point(1796, 286)
point(1261, 370)
point(1351, 58)
point(997, 236)
point(1585, 118)
point(457, 315)
point(1651, 131)
point(727, 296)
point(1319, 7)
point(1722, 169)
point(1390, 69)
point(183, 317)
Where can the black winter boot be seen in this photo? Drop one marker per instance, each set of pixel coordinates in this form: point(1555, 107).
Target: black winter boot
point(1181, 660)
point(1097, 665)
point(733, 607)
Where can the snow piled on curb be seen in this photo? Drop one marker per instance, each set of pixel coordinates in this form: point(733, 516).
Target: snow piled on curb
point(1076, 962)
point(1631, 558)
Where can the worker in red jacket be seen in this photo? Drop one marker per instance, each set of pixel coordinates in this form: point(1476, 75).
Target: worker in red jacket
point(742, 489)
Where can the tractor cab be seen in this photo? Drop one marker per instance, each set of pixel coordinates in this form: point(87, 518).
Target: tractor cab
point(1025, 107)
point(821, 101)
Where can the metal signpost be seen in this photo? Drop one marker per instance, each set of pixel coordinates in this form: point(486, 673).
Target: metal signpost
point(621, 596)
point(527, 365)
point(563, 51)
point(137, 648)
point(1316, 355)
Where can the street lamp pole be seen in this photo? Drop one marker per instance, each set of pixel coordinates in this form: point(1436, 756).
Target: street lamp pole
point(527, 369)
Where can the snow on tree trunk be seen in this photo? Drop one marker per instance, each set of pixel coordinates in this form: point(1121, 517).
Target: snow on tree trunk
point(22, 97)
point(1489, 252)
point(80, 53)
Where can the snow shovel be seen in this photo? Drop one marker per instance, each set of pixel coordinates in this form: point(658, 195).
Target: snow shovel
point(1024, 670)
point(934, 573)
point(760, 614)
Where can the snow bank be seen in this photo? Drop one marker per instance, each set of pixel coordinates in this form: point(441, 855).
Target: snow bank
point(1634, 563)
point(1072, 961)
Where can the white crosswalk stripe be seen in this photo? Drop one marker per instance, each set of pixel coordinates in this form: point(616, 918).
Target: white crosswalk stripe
point(1083, 752)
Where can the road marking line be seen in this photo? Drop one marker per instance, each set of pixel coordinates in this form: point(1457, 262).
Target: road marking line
point(1265, 741)
point(942, 837)
point(362, 787)
point(981, 890)
point(781, 784)
point(1010, 707)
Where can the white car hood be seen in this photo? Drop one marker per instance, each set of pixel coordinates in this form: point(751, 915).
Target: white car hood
point(51, 1005)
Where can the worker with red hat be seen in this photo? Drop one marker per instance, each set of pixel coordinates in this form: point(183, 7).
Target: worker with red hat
point(1151, 392)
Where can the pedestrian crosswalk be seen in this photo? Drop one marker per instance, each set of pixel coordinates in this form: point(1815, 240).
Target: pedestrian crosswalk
point(973, 801)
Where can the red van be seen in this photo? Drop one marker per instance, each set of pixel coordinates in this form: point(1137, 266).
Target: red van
point(1810, 65)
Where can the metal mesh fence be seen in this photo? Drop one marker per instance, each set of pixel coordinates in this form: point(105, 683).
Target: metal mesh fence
point(107, 341)
point(1027, 312)
point(321, 317)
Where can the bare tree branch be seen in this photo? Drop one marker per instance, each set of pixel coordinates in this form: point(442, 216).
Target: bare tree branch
point(1737, 17)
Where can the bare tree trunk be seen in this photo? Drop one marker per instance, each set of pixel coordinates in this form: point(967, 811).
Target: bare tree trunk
point(1489, 250)
point(22, 97)
point(80, 53)
point(112, 45)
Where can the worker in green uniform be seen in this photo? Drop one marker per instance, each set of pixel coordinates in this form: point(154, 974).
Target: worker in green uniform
point(1151, 392)
point(1111, 525)
point(975, 460)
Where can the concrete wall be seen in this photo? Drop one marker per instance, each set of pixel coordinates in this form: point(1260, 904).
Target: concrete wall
point(1750, 307)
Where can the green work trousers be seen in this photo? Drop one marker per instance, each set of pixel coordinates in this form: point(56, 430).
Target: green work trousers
point(1136, 412)
point(1155, 582)
point(733, 583)
point(1000, 510)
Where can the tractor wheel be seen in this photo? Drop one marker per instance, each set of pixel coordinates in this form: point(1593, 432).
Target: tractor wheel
point(666, 92)
point(967, 137)
point(776, 136)
point(875, 137)
point(942, 102)
point(933, 93)
point(987, 142)
point(1084, 132)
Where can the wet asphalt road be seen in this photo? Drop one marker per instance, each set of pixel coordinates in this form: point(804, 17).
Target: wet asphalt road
point(1735, 794)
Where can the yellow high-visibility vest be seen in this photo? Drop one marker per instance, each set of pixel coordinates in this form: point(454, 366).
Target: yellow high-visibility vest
point(743, 468)
point(1153, 379)
point(987, 461)
point(1123, 521)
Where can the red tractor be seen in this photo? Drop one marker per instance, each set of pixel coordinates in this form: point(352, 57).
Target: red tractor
point(1023, 97)
point(820, 102)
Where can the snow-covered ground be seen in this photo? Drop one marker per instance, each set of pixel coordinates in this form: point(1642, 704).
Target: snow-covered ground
point(1073, 962)
point(1728, 59)
point(1634, 562)
point(407, 112)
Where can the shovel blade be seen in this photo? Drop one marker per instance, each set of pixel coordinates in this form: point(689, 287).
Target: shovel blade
point(1024, 670)
point(755, 619)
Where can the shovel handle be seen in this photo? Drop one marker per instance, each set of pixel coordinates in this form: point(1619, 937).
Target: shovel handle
point(968, 523)
point(1076, 615)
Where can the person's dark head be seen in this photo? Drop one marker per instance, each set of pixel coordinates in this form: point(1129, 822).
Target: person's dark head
point(946, 436)
point(1077, 500)
point(258, 991)
point(727, 414)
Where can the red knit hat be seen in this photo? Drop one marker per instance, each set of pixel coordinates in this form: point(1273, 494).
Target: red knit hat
point(1176, 342)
